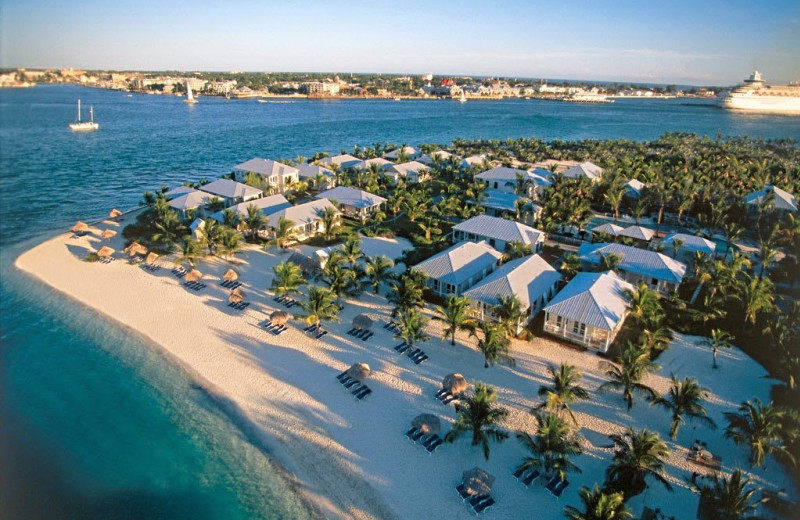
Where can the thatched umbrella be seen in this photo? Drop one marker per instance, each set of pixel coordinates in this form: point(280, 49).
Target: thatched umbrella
point(362, 321)
point(477, 481)
point(108, 233)
point(136, 249)
point(193, 275)
point(230, 276)
point(151, 258)
point(105, 252)
point(454, 383)
point(359, 371)
point(80, 227)
point(279, 317)
point(427, 423)
point(236, 296)
point(114, 213)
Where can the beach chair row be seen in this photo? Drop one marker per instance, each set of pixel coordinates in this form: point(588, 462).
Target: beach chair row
point(526, 477)
point(239, 306)
point(445, 396)
point(195, 286)
point(286, 301)
point(354, 386)
point(429, 442)
point(106, 260)
point(362, 334)
point(150, 267)
point(313, 330)
point(556, 486)
point(416, 355)
point(277, 330)
point(230, 285)
point(392, 326)
point(179, 271)
point(478, 503)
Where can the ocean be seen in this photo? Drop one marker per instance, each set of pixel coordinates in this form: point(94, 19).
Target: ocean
point(94, 423)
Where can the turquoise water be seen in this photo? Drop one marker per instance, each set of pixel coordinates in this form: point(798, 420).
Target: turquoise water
point(93, 423)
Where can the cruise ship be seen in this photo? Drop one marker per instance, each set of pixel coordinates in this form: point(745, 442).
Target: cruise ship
point(755, 96)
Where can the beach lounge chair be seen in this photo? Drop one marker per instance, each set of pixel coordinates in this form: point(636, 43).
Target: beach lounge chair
point(342, 375)
point(483, 506)
point(560, 489)
point(310, 328)
point(448, 399)
point(387, 325)
point(417, 436)
point(321, 334)
point(430, 440)
point(461, 489)
point(400, 346)
point(412, 353)
point(531, 477)
point(420, 359)
point(345, 380)
point(435, 444)
point(366, 336)
point(477, 499)
point(357, 390)
point(352, 331)
point(363, 393)
point(441, 393)
point(518, 473)
point(351, 383)
point(552, 484)
point(411, 432)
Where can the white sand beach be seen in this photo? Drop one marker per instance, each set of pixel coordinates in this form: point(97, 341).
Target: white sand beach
point(350, 458)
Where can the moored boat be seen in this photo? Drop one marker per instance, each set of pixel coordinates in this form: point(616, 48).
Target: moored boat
point(754, 95)
point(82, 126)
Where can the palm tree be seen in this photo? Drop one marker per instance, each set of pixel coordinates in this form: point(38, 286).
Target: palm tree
point(412, 328)
point(719, 339)
point(429, 227)
point(644, 302)
point(230, 242)
point(341, 279)
point(330, 222)
point(212, 234)
point(677, 244)
point(756, 297)
point(516, 249)
point(321, 305)
point(288, 278)
point(494, 345)
point(637, 457)
point(551, 447)
point(379, 269)
point(477, 414)
point(614, 197)
point(565, 390)
point(634, 363)
point(190, 250)
point(730, 498)
point(570, 266)
point(230, 218)
point(284, 232)
point(254, 221)
point(683, 400)
point(457, 317)
point(407, 292)
point(610, 261)
point(509, 312)
point(599, 505)
point(759, 427)
point(170, 229)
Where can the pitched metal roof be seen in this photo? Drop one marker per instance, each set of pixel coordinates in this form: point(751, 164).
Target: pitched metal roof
point(310, 171)
point(229, 189)
point(781, 199)
point(635, 260)
point(267, 205)
point(266, 167)
point(501, 200)
point(503, 173)
point(459, 263)
point(607, 228)
point(585, 169)
point(406, 167)
point(302, 213)
point(428, 158)
point(409, 150)
point(500, 229)
point(176, 192)
point(344, 160)
point(637, 232)
point(691, 242)
point(380, 161)
point(596, 299)
point(193, 199)
point(352, 197)
point(634, 188)
point(528, 278)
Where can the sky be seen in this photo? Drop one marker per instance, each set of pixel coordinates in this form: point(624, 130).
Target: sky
point(699, 42)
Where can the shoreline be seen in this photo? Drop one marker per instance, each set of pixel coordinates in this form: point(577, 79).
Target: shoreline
point(349, 459)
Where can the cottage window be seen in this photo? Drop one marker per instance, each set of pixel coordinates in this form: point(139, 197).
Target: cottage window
point(559, 321)
point(654, 282)
point(578, 328)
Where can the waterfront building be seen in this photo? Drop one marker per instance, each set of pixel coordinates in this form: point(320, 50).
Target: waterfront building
point(353, 203)
point(189, 201)
point(458, 268)
point(530, 279)
point(555, 165)
point(410, 152)
point(474, 160)
point(590, 310)
point(268, 205)
point(311, 173)
point(608, 228)
point(306, 218)
point(412, 172)
point(178, 191)
point(634, 188)
point(506, 179)
point(781, 200)
point(641, 235)
point(658, 271)
point(585, 169)
point(344, 160)
point(498, 232)
point(231, 192)
point(689, 245)
point(440, 154)
point(380, 161)
point(279, 176)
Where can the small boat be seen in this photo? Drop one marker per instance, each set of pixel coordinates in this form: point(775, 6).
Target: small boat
point(189, 97)
point(262, 100)
point(397, 99)
point(463, 98)
point(82, 126)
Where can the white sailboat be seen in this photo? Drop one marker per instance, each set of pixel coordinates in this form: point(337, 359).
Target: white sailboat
point(189, 97)
point(463, 98)
point(79, 125)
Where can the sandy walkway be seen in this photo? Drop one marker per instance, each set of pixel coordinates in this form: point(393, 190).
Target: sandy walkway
point(350, 458)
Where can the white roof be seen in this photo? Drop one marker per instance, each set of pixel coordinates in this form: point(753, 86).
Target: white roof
point(474, 159)
point(302, 213)
point(691, 242)
point(310, 171)
point(352, 197)
point(781, 199)
point(180, 190)
point(380, 161)
point(459, 263)
point(229, 189)
point(596, 299)
point(509, 175)
point(193, 199)
point(637, 232)
point(561, 166)
point(585, 169)
point(528, 278)
point(266, 167)
point(501, 200)
point(500, 229)
point(428, 158)
point(635, 260)
point(267, 205)
point(344, 160)
point(607, 228)
point(407, 167)
point(409, 150)
point(634, 187)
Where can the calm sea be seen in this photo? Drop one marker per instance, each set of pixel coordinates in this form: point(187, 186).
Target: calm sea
point(93, 424)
